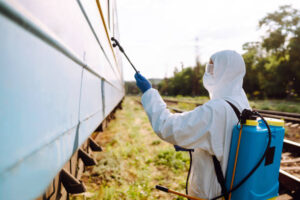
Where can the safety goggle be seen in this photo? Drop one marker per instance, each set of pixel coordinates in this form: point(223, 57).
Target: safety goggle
point(209, 69)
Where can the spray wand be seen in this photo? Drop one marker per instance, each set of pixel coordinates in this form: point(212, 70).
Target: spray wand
point(164, 189)
point(115, 44)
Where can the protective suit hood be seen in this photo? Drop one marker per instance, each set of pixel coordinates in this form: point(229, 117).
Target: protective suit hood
point(227, 79)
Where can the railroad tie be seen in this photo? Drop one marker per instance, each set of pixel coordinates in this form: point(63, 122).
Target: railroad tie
point(288, 124)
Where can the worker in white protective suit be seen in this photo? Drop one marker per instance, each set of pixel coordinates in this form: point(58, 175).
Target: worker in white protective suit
point(208, 128)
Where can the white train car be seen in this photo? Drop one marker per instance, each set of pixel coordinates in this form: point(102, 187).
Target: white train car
point(59, 79)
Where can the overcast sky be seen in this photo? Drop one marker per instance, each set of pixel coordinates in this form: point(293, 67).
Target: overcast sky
point(158, 35)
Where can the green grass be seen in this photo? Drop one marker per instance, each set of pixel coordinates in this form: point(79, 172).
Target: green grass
point(278, 105)
point(134, 160)
point(198, 99)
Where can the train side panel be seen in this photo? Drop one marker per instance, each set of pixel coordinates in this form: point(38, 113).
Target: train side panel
point(91, 105)
point(59, 79)
point(39, 111)
point(78, 24)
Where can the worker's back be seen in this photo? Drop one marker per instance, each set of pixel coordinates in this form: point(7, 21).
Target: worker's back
point(203, 171)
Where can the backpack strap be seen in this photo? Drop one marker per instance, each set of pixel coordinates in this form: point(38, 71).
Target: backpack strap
point(220, 176)
point(217, 164)
point(237, 112)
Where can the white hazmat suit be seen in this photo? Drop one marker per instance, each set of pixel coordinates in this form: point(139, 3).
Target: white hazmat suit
point(207, 129)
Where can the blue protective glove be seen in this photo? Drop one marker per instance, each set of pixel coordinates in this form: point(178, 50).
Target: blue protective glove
point(142, 82)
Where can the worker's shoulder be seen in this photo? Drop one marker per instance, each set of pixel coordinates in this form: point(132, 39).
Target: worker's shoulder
point(216, 103)
point(218, 106)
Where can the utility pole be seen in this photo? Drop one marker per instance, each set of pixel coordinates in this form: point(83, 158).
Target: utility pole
point(196, 74)
point(197, 50)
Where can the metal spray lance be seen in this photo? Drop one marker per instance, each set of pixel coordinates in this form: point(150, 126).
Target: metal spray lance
point(116, 43)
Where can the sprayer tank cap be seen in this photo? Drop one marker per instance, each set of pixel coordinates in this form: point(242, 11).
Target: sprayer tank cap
point(274, 122)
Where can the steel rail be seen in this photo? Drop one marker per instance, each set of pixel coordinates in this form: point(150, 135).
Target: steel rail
point(287, 114)
point(291, 146)
point(290, 182)
point(289, 117)
point(288, 145)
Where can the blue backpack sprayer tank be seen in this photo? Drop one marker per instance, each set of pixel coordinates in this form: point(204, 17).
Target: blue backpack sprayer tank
point(254, 159)
point(248, 143)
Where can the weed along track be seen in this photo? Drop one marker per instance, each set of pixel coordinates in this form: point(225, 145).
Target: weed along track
point(133, 160)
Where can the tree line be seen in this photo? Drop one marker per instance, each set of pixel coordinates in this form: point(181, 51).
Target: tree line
point(272, 64)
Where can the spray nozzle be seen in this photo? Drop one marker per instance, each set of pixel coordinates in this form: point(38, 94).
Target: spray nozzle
point(115, 44)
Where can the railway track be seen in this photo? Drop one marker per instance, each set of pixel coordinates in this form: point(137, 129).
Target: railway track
point(293, 119)
point(289, 176)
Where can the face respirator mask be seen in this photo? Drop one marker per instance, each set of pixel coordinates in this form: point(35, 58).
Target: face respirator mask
point(208, 80)
point(209, 69)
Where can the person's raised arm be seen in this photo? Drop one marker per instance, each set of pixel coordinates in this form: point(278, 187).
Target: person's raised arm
point(189, 129)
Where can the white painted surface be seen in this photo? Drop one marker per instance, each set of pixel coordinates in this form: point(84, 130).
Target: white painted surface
point(66, 20)
point(49, 102)
point(40, 93)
